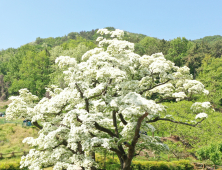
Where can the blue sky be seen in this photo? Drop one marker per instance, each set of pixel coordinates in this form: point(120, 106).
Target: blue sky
point(22, 21)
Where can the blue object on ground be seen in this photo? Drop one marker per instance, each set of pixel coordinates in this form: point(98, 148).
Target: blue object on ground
point(29, 123)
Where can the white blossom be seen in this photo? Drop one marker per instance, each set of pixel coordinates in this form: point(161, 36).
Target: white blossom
point(198, 106)
point(201, 115)
point(179, 95)
point(99, 39)
point(65, 60)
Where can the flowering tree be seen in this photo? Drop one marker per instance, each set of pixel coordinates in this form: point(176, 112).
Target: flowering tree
point(111, 98)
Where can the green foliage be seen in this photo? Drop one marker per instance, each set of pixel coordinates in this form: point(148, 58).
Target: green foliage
point(209, 39)
point(150, 45)
point(211, 76)
point(56, 76)
point(217, 49)
point(195, 56)
point(73, 43)
point(183, 140)
point(132, 37)
point(211, 152)
point(32, 73)
point(11, 166)
point(178, 50)
point(149, 165)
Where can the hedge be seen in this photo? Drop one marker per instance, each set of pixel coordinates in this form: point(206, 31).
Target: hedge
point(11, 166)
point(150, 165)
point(136, 165)
point(161, 165)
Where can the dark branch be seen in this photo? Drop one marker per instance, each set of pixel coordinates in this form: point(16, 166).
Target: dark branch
point(87, 105)
point(105, 130)
point(61, 109)
point(165, 119)
point(131, 151)
point(78, 88)
point(100, 128)
point(111, 149)
point(63, 142)
point(95, 82)
point(102, 92)
point(115, 123)
point(37, 125)
point(81, 94)
point(120, 147)
point(122, 119)
point(139, 152)
point(116, 150)
point(136, 136)
point(79, 120)
point(153, 87)
point(154, 120)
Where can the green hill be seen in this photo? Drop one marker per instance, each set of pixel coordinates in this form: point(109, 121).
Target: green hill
point(209, 39)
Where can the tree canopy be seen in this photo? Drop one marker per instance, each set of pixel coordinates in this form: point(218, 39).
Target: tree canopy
point(110, 101)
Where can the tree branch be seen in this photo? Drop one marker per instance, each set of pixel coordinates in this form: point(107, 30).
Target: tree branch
point(115, 123)
point(116, 150)
point(136, 136)
point(111, 149)
point(153, 87)
point(87, 104)
point(78, 88)
point(122, 119)
point(105, 130)
point(62, 108)
point(139, 152)
point(97, 126)
point(131, 150)
point(165, 119)
point(37, 125)
point(101, 91)
point(81, 95)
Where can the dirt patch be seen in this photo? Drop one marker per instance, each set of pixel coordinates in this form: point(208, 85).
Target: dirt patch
point(3, 103)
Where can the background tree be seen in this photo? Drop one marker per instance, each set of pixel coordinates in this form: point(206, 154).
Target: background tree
point(150, 45)
point(178, 50)
point(217, 49)
point(32, 73)
point(195, 55)
point(210, 74)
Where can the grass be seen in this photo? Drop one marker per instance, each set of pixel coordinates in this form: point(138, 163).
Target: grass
point(15, 160)
point(4, 121)
point(12, 135)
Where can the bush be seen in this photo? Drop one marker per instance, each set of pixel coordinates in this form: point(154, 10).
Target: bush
point(211, 152)
point(161, 165)
point(149, 165)
point(11, 166)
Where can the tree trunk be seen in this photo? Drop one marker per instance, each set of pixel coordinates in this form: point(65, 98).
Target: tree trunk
point(125, 164)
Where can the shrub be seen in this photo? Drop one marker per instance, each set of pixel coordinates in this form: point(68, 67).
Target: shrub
point(11, 166)
point(150, 165)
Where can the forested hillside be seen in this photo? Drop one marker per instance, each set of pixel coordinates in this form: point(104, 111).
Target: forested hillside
point(32, 65)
